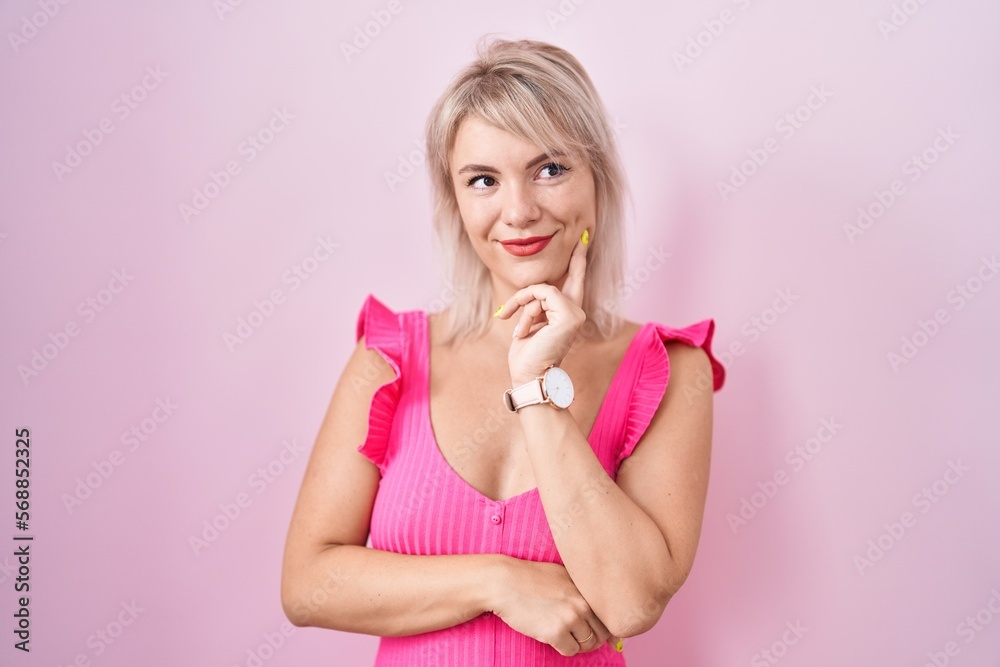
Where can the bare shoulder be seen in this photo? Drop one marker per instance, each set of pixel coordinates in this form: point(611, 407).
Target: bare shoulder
point(369, 367)
point(435, 321)
point(685, 354)
point(690, 370)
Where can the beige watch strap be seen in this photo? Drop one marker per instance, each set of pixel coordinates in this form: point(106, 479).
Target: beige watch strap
point(528, 393)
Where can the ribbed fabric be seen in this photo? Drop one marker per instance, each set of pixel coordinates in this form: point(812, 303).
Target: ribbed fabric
point(424, 507)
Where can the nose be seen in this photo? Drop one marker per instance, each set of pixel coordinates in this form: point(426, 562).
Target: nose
point(520, 207)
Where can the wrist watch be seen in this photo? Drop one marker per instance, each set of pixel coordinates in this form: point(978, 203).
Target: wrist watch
point(553, 387)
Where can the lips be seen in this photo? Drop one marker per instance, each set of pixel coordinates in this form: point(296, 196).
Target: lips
point(527, 246)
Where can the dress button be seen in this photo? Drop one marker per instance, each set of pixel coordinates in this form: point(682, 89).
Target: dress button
point(487, 614)
point(495, 518)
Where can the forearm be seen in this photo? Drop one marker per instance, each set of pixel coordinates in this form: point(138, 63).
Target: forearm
point(369, 591)
point(613, 551)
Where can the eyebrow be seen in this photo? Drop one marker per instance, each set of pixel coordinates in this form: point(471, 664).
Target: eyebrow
point(493, 170)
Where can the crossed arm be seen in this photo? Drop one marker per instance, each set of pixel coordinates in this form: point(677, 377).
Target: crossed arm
point(647, 525)
point(629, 546)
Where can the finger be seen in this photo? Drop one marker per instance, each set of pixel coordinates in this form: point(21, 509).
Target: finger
point(529, 315)
point(567, 647)
point(556, 308)
point(535, 327)
point(505, 310)
point(575, 274)
point(569, 642)
point(602, 632)
point(523, 297)
point(591, 641)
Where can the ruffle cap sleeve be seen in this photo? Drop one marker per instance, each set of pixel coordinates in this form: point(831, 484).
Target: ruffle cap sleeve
point(651, 383)
point(383, 333)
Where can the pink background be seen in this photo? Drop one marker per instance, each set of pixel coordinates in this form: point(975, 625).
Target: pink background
point(683, 129)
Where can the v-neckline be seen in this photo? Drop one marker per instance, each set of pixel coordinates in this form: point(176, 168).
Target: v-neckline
point(602, 408)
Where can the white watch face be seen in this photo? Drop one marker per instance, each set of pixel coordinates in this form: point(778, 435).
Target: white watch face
point(559, 387)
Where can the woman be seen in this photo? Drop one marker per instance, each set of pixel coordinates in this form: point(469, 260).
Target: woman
point(532, 484)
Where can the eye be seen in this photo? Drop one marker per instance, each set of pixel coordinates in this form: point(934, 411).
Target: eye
point(488, 182)
point(552, 170)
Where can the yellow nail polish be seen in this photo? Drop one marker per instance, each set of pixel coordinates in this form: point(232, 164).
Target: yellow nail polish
point(620, 646)
point(586, 237)
point(499, 310)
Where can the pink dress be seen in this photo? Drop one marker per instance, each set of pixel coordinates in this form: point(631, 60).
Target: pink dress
point(424, 507)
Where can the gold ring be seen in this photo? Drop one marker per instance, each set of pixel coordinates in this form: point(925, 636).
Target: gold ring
point(581, 643)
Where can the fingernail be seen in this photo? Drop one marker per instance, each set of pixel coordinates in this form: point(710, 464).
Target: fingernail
point(515, 331)
point(585, 237)
point(620, 646)
point(499, 310)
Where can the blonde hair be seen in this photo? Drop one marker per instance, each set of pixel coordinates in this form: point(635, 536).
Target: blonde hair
point(542, 94)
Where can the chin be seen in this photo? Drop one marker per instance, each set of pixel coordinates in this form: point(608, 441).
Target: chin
point(543, 272)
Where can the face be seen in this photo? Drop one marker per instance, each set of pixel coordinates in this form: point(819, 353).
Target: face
point(509, 190)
